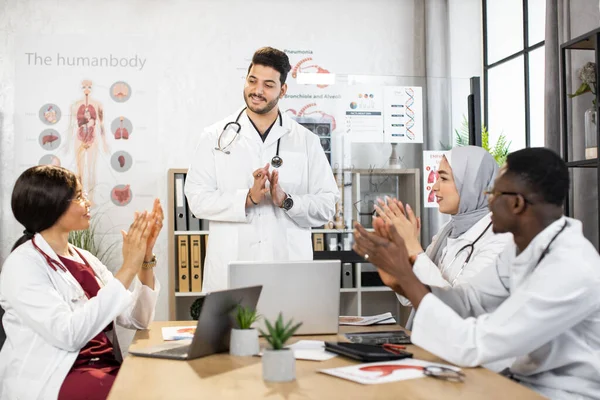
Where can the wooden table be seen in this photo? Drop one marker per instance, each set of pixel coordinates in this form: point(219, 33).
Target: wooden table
point(221, 376)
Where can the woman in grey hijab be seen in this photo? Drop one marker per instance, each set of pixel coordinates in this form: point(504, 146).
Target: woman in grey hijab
point(466, 244)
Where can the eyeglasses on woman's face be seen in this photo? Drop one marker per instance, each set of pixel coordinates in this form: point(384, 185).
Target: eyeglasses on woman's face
point(81, 197)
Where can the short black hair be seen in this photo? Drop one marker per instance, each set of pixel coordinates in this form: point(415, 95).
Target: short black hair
point(41, 195)
point(543, 170)
point(276, 59)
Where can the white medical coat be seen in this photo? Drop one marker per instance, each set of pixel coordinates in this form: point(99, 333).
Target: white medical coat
point(48, 318)
point(485, 252)
point(217, 184)
point(549, 317)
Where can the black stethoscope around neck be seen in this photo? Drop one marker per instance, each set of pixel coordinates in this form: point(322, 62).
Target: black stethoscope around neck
point(276, 161)
point(469, 248)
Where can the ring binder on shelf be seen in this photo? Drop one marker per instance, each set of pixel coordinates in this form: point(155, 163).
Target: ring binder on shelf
point(183, 265)
point(196, 271)
point(180, 204)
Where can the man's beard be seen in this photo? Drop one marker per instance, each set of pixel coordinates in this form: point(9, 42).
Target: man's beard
point(265, 109)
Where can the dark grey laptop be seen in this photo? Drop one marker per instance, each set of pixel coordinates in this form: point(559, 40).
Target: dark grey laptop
point(216, 319)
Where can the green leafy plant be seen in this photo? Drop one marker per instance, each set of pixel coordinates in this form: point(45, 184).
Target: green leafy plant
point(279, 333)
point(92, 241)
point(587, 76)
point(245, 317)
point(196, 307)
point(499, 151)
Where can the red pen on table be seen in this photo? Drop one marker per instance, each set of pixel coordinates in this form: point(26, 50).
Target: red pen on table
point(394, 348)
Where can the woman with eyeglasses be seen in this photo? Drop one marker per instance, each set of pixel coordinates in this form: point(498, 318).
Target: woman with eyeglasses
point(466, 244)
point(61, 303)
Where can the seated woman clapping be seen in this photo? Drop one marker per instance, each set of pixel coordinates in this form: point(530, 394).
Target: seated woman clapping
point(61, 302)
point(466, 244)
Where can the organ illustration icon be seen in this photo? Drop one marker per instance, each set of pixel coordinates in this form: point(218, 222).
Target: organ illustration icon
point(433, 176)
point(121, 195)
point(431, 196)
point(87, 128)
point(304, 66)
point(121, 127)
point(49, 114)
point(49, 159)
point(49, 139)
point(121, 161)
point(120, 91)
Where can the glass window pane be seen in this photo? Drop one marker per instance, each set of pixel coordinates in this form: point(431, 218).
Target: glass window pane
point(536, 10)
point(506, 103)
point(536, 97)
point(504, 28)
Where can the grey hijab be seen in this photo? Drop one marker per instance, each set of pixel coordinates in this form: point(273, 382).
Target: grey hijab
point(474, 170)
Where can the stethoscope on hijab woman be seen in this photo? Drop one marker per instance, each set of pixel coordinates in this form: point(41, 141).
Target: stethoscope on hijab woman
point(276, 161)
point(469, 248)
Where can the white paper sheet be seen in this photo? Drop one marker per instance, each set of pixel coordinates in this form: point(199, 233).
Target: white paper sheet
point(386, 318)
point(312, 350)
point(178, 332)
point(384, 372)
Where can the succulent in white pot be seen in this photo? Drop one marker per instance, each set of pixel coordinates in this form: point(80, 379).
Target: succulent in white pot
point(278, 362)
point(244, 339)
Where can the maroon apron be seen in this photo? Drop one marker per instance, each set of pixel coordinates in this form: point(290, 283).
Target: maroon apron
point(96, 367)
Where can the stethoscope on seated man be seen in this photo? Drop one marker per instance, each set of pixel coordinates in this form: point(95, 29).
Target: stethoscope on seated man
point(470, 248)
point(276, 161)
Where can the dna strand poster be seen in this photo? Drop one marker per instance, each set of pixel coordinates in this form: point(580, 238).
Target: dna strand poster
point(431, 165)
point(403, 114)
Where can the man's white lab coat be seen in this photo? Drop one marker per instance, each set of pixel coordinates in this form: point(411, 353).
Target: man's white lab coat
point(217, 184)
point(548, 315)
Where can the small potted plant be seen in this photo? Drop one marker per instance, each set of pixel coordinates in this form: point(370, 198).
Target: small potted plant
point(244, 339)
point(279, 364)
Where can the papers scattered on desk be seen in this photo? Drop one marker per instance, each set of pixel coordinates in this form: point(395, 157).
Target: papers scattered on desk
point(178, 332)
point(386, 318)
point(383, 372)
point(312, 350)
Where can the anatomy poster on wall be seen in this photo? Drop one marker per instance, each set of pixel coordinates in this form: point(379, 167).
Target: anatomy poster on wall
point(88, 104)
point(431, 166)
point(403, 114)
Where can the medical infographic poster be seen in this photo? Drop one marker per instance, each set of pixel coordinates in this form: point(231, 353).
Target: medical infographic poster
point(403, 114)
point(431, 165)
point(88, 104)
point(363, 109)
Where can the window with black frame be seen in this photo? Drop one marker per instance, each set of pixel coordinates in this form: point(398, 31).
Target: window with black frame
point(513, 77)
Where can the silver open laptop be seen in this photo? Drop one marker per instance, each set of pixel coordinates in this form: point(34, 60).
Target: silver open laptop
point(217, 317)
point(305, 291)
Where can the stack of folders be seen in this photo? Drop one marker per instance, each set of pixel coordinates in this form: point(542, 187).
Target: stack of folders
point(191, 247)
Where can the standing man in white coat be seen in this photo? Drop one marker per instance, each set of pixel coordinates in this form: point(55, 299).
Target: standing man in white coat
point(540, 301)
point(261, 179)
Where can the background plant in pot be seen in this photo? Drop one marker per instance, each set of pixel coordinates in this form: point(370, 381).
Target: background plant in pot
point(279, 364)
point(244, 339)
point(93, 241)
point(587, 76)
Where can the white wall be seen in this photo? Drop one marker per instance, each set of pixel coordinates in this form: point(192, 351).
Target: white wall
point(201, 48)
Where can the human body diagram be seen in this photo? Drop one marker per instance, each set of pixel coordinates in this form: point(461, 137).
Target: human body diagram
point(86, 127)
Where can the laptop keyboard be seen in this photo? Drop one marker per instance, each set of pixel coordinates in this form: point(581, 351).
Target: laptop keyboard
point(176, 351)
